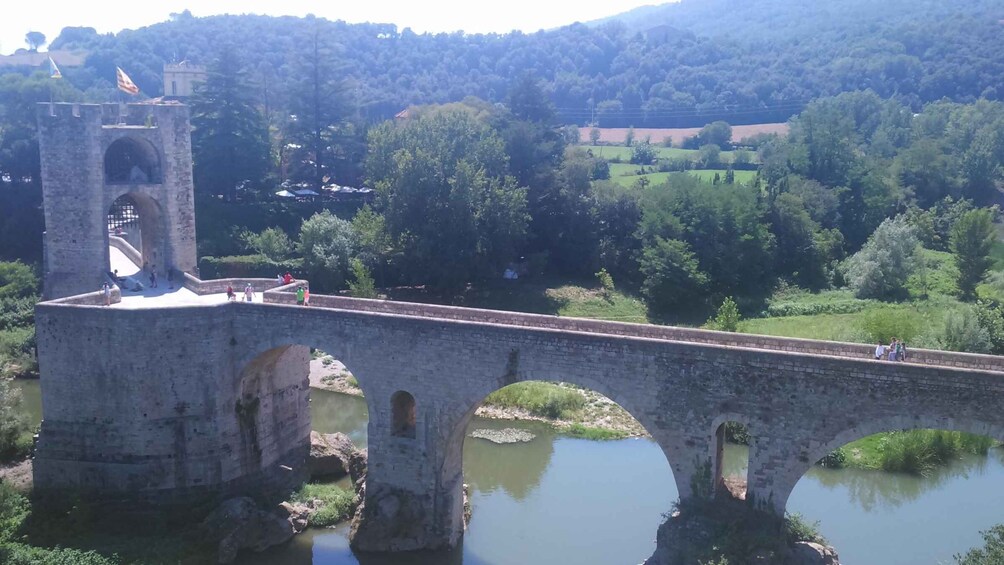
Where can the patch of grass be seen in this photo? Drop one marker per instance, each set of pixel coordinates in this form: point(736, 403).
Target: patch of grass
point(336, 503)
point(538, 398)
point(580, 302)
point(624, 153)
point(798, 302)
point(917, 322)
point(586, 432)
point(351, 381)
point(916, 452)
point(708, 175)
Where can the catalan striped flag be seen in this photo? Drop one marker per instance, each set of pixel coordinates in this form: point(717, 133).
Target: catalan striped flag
point(54, 70)
point(125, 83)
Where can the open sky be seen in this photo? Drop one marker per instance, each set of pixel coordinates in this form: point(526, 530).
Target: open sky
point(472, 16)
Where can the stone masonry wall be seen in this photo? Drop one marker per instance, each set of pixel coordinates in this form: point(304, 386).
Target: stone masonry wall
point(151, 403)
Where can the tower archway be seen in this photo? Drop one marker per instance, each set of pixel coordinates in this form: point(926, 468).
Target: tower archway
point(129, 160)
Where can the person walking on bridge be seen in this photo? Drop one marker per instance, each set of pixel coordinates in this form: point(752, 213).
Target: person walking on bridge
point(249, 293)
point(306, 296)
point(299, 296)
point(107, 290)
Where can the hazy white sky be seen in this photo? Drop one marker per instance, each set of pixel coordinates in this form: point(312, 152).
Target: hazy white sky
point(473, 16)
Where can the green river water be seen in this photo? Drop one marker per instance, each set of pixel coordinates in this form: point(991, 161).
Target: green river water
point(563, 500)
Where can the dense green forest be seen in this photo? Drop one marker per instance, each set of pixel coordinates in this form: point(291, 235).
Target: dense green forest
point(682, 64)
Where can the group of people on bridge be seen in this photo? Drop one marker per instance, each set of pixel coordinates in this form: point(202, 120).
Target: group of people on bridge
point(895, 351)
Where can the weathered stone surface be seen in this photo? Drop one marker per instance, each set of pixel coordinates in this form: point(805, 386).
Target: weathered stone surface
point(809, 553)
point(330, 455)
point(239, 524)
point(298, 515)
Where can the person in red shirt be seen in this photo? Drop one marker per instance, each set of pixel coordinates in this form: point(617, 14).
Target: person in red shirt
point(287, 278)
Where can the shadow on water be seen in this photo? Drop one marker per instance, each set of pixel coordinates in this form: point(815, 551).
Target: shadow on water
point(515, 468)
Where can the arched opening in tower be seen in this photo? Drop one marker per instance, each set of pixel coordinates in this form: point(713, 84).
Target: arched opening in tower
point(136, 241)
point(132, 161)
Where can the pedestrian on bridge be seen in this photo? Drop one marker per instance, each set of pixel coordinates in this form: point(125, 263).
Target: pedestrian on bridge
point(107, 290)
point(879, 351)
point(300, 296)
point(230, 293)
point(306, 296)
point(248, 293)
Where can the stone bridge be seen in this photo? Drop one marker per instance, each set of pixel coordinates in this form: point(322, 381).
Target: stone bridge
point(183, 404)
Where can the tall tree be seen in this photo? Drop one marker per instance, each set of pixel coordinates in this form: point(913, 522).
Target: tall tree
point(972, 239)
point(229, 137)
point(321, 111)
point(447, 197)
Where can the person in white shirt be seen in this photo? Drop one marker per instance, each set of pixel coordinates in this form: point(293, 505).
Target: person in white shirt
point(879, 351)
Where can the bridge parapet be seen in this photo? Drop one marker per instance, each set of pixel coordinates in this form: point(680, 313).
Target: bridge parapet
point(650, 331)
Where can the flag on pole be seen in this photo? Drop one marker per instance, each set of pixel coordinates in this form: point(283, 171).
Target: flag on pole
point(54, 70)
point(125, 83)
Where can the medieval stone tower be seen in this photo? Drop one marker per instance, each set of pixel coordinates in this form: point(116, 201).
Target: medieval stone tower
point(94, 156)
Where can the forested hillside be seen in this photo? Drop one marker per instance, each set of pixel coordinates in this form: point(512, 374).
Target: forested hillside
point(683, 64)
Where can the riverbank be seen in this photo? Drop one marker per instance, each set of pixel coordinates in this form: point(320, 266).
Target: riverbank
point(570, 410)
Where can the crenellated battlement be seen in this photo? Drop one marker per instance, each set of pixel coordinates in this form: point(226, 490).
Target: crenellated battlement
point(62, 111)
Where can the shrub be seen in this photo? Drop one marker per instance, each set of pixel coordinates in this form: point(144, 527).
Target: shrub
point(797, 529)
point(737, 433)
point(882, 267)
point(992, 552)
point(246, 266)
point(835, 459)
point(17, 280)
point(271, 242)
point(883, 324)
point(21, 554)
point(963, 332)
point(727, 318)
point(362, 284)
point(326, 243)
point(920, 451)
point(643, 154)
point(336, 503)
point(12, 421)
point(596, 434)
point(606, 281)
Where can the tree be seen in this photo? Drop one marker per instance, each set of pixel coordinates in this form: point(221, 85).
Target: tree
point(446, 197)
point(12, 420)
point(527, 101)
point(727, 318)
point(34, 39)
point(673, 284)
point(972, 239)
point(229, 137)
point(594, 136)
point(992, 552)
point(271, 242)
point(326, 243)
point(709, 156)
point(643, 153)
point(362, 284)
point(629, 137)
point(320, 112)
point(881, 268)
point(716, 133)
point(963, 332)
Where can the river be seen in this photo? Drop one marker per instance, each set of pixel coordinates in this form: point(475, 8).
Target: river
point(563, 500)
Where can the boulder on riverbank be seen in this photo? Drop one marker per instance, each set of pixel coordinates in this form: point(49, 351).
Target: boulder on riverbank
point(238, 524)
point(704, 531)
point(330, 455)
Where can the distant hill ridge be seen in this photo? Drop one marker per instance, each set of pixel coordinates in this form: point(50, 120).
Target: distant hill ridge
point(746, 62)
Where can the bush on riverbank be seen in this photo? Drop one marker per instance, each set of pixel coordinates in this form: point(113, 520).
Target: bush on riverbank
point(921, 451)
point(15, 442)
point(333, 503)
point(992, 552)
point(540, 399)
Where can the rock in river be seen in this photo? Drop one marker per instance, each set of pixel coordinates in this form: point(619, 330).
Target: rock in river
point(505, 435)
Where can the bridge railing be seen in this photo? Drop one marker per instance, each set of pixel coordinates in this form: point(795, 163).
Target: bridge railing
point(651, 331)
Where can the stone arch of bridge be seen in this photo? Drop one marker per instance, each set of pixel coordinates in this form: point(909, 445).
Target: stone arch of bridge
point(670, 443)
point(786, 480)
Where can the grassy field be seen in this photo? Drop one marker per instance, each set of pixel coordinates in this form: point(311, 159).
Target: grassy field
point(706, 175)
point(622, 153)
